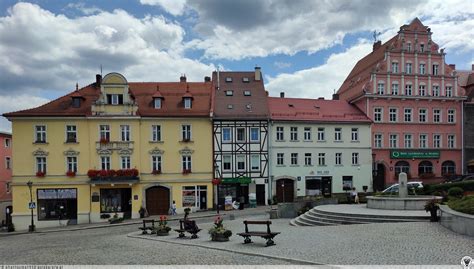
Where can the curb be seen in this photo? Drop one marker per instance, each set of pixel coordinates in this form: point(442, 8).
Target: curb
point(299, 261)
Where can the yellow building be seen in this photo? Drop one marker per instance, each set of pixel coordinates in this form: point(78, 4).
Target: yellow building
point(113, 147)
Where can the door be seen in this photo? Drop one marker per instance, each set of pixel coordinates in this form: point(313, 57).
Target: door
point(202, 200)
point(379, 178)
point(127, 203)
point(8, 211)
point(327, 186)
point(158, 200)
point(285, 190)
point(260, 194)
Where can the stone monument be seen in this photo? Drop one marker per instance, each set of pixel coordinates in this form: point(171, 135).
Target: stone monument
point(402, 185)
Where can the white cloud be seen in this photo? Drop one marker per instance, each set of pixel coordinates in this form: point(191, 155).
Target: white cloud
point(174, 7)
point(281, 65)
point(82, 8)
point(15, 103)
point(322, 80)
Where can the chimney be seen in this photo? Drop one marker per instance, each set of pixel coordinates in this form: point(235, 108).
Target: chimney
point(182, 78)
point(98, 80)
point(282, 94)
point(453, 66)
point(377, 45)
point(207, 79)
point(258, 73)
point(335, 96)
point(320, 98)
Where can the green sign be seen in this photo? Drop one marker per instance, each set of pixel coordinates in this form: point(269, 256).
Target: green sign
point(238, 180)
point(414, 154)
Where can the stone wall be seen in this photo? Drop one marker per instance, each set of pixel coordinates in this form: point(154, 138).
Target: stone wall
point(456, 221)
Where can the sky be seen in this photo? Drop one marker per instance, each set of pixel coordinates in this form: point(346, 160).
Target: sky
point(305, 48)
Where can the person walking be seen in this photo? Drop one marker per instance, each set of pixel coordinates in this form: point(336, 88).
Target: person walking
point(173, 208)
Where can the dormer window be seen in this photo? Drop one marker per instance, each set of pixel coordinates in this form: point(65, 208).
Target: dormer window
point(247, 93)
point(187, 103)
point(76, 102)
point(157, 103)
point(229, 93)
point(228, 79)
point(114, 99)
point(245, 79)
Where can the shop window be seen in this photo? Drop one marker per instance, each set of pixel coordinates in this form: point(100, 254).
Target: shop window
point(347, 183)
point(189, 196)
point(111, 200)
point(425, 168)
point(402, 166)
point(54, 204)
point(448, 168)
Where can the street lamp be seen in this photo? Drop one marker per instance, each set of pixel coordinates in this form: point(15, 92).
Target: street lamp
point(32, 226)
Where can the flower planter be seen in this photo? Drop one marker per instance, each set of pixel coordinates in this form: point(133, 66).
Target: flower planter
point(434, 215)
point(162, 233)
point(219, 238)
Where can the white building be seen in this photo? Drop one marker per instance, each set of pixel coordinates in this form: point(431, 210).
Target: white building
point(317, 147)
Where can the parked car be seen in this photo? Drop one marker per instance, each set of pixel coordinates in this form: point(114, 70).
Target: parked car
point(410, 185)
point(459, 178)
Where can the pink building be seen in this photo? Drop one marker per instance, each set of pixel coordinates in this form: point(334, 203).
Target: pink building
point(414, 99)
point(5, 175)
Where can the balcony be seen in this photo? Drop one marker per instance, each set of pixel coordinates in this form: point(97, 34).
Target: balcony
point(105, 145)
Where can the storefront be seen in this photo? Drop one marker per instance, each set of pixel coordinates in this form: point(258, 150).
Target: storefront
point(234, 187)
point(57, 204)
point(319, 185)
point(194, 197)
point(116, 200)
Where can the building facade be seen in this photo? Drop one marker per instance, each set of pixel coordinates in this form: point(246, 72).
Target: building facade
point(240, 136)
point(466, 80)
point(5, 177)
point(405, 87)
point(113, 147)
point(318, 147)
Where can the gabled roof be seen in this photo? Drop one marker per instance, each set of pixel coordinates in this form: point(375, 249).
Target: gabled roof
point(315, 110)
point(239, 106)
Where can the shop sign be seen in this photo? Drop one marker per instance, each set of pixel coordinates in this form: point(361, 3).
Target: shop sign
point(414, 154)
point(322, 172)
point(57, 193)
point(238, 180)
point(189, 198)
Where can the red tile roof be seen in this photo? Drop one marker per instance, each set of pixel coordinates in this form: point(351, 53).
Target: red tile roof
point(142, 93)
point(297, 109)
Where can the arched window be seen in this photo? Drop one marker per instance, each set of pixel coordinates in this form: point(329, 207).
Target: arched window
point(448, 168)
point(402, 166)
point(425, 167)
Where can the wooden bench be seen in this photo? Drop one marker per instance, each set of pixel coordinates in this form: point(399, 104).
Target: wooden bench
point(148, 227)
point(268, 235)
point(188, 226)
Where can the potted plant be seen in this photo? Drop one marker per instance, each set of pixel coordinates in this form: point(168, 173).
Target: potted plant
point(104, 140)
point(115, 219)
point(70, 173)
point(156, 172)
point(186, 171)
point(40, 174)
point(432, 207)
point(92, 173)
point(163, 229)
point(219, 233)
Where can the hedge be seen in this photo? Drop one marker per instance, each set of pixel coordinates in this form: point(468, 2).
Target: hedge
point(464, 205)
point(465, 185)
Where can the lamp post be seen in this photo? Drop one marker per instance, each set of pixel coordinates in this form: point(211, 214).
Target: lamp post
point(32, 226)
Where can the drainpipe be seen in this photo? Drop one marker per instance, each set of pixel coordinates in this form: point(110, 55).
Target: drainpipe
point(462, 137)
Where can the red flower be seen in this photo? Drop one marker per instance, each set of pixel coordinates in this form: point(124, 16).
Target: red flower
point(216, 181)
point(40, 174)
point(156, 172)
point(134, 172)
point(92, 173)
point(104, 140)
point(70, 173)
point(120, 173)
point(103, 173)
point(110, 173)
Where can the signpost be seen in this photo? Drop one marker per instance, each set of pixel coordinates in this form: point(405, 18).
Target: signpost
point(31, 205)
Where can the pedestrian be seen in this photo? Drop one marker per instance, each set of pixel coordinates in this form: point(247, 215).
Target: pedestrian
point(242, 202)
point(173, 208)
point(354, 195)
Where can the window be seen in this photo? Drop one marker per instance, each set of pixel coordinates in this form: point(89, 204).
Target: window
point(280, 159)
point(8, 163)
point(125, 132)
point(240, 134)
point(451, 141)
point(229, 93)
point(402, 167)
point(355, 134)
point(422, 115)
point(186, 162)
point(422, 90)
point(155, 133)
point(228, 79)
point(56, 204)
point(76, 102)
point(321, 159)
point(408, 89)
point(395, 88)
point(187, 103)
point(380, 88)
point(337, 134)
point(247, 93)
point(279, 134)
point(408, 68)
point(115, 99)
point(448, 168)
point(435, 69)
point(125, 162)
point(394, 67)
point(7, 142)
point(186, 132)
point(41, 164)
point(156, 163)
point(307, 133)
point(157, 103)
point(435, 91)
point(408, 141)
point(240, 162)
point(8, 187)
point(104, 132)
point(436, 115)
point(436, 141)
point(378, 114)
point(355, 158)
point(226, 134)
point(422, 47)
point(254, 134)
point(423, 141)
point(378, 140)
point(451, 115)
point(393, 114)
point(338, 160)
point(449, 91)
point(321, 136)
point(408, 47)
point(307, 159)
point(71, 164)
point(255, 162)
point(422, 69)
point(294, 158)
point(227, 161)
point(408, 114)
point(293, 133)
point(425, 167)
point(105, 162)
point(40, 131)
point(393, 139)
point(71, 134)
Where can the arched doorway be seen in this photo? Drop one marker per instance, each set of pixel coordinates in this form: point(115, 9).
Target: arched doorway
point(285, 190)
point(425, 169)
point(402, 166)
point(448, 168)
point(158, 200)
point(379, 177)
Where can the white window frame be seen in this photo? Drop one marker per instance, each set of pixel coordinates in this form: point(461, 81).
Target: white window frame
point(307, 134)
point(321, 134)
point(408, 141)
point(437, 141)
point(157, 103)
point(393, 141)
point(408, 89)
point(258, 134)
point(40, 132)
point(437, 115)
point(393, 114)
point(321, 159)
point(355, 134)
point(237, 134)
point(125, 134)
point(378, 114)
point(395, 89)
point(156, 133)
point(451, 141)
point(240, 159)
point(294, 158)
point(422, 90)
point(280, 133)
point(114, 99)
point(338, 134)
point(125, 162)
point(226, 158)
point(435, 91)
point(186, 162)
point(422, 115)
point(224, 130)
point(394, 67)
point(280, 157)
point(254, 162)
point(408, 114)
point(449, 91)
point(308, 159)
point(381, 88)
point(293, 133)
point(187, 103)
point(186, 132)
point(71, 164)
point(71, 129)
point(435, 69)
point(41, 164)
point(408, 68)
point(422, 69)
point(355, 158)
point(105, 162)
point(104, 131)
point(423, 141)
point(338, 158)
point(378, 140)
point(451, 116)
point(156, 162)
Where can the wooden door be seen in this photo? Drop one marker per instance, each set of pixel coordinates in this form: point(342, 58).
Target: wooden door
point(158, 200)
point(285, 190)
point(260, 194)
